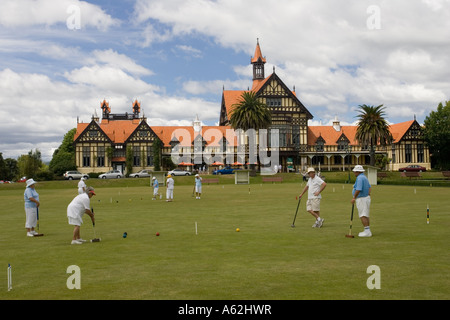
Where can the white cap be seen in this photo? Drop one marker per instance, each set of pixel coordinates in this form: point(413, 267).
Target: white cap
point(358, 168)
point(153, 178)
point(30, 182)
point(310, 169)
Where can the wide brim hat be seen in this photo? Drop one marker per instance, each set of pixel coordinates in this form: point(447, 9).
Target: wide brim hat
point(358, 168)
point(310, 169)
point(30, 182)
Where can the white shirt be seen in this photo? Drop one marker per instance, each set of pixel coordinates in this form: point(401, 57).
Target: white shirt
point(313, 187)
point(81, 185)
point(78, 206)
point(170, 184)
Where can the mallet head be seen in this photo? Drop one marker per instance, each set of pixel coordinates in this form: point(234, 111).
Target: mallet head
point(349, 236)
point(96, 240)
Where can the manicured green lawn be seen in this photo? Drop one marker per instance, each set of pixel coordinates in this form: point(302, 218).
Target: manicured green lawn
point(267, 259)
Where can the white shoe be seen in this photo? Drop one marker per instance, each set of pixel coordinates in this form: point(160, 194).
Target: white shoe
point(30, 234)
point(320, 223)
point(365, 234)
point(76, 242)
point(81, 240)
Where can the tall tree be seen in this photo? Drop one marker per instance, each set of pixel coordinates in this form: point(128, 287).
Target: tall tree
point(437, 135)
point(373, 128)
point(64, 157)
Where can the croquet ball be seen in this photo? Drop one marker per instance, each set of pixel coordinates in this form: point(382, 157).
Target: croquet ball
point(157, 234)
point(237, 229)
point(124, 234)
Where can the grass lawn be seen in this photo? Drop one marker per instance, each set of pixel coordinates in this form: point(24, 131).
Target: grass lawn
point(267, 259)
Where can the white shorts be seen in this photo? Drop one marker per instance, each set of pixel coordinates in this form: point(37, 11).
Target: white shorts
point(313, 204)
point(155, 191)
point(75, 221)
point(198, 189)
point(169, 194)
point(31, 220)
point(363, 205)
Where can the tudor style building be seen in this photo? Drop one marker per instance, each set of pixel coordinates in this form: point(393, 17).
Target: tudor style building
point(102, 145)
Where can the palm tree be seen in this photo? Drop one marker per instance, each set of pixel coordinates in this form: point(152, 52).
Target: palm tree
point(373, 128)
point(250, 113)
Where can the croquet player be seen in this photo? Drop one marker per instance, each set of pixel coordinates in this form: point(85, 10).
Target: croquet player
point(170, 184)
point(31, 198)
point(198, 186)
point(81, 186)
point(361, 197)
point(315, 186)
point(80, 205)
point(155, 185)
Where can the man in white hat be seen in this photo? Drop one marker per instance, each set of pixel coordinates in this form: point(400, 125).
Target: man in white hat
point(361, 197)
point(198, 186)
point(32, 204)
point(315, 186)
point(155, 185)
point(75, 211)
point(170, 186)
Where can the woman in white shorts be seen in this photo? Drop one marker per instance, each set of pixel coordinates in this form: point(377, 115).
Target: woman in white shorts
point(75, 211)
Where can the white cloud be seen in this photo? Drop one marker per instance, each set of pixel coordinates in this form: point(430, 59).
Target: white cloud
point(25, 13)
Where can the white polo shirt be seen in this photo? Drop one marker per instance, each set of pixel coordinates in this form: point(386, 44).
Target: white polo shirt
point(314, 186)
point(78, 206)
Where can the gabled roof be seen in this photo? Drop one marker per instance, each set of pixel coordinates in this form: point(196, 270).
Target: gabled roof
point(398, 130)
point(330, 135)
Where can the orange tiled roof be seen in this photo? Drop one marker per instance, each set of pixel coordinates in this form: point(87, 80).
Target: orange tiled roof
point(80, 128)
point(119, 130)
point(186, 134)
point(398, 130)
point(330, 135)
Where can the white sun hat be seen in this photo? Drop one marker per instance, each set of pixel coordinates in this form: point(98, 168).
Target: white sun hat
point(30, 182)
point(358, 168)
point(310, 169)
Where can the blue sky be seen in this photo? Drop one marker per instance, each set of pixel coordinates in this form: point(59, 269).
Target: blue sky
point(175, 57)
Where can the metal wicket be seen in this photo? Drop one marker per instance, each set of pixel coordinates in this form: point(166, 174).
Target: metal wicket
point(9, 277)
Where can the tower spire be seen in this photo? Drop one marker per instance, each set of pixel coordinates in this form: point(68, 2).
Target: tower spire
point(258, 62)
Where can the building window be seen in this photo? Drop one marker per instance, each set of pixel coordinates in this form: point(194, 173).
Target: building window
point(408, 153)
point(319, 145)
point(342, 145)
point(150, 156)
point(86, 157)
point(273, 102)
point(420, 157)
point(100, 156)
point(393, 153)
point(136, 156)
